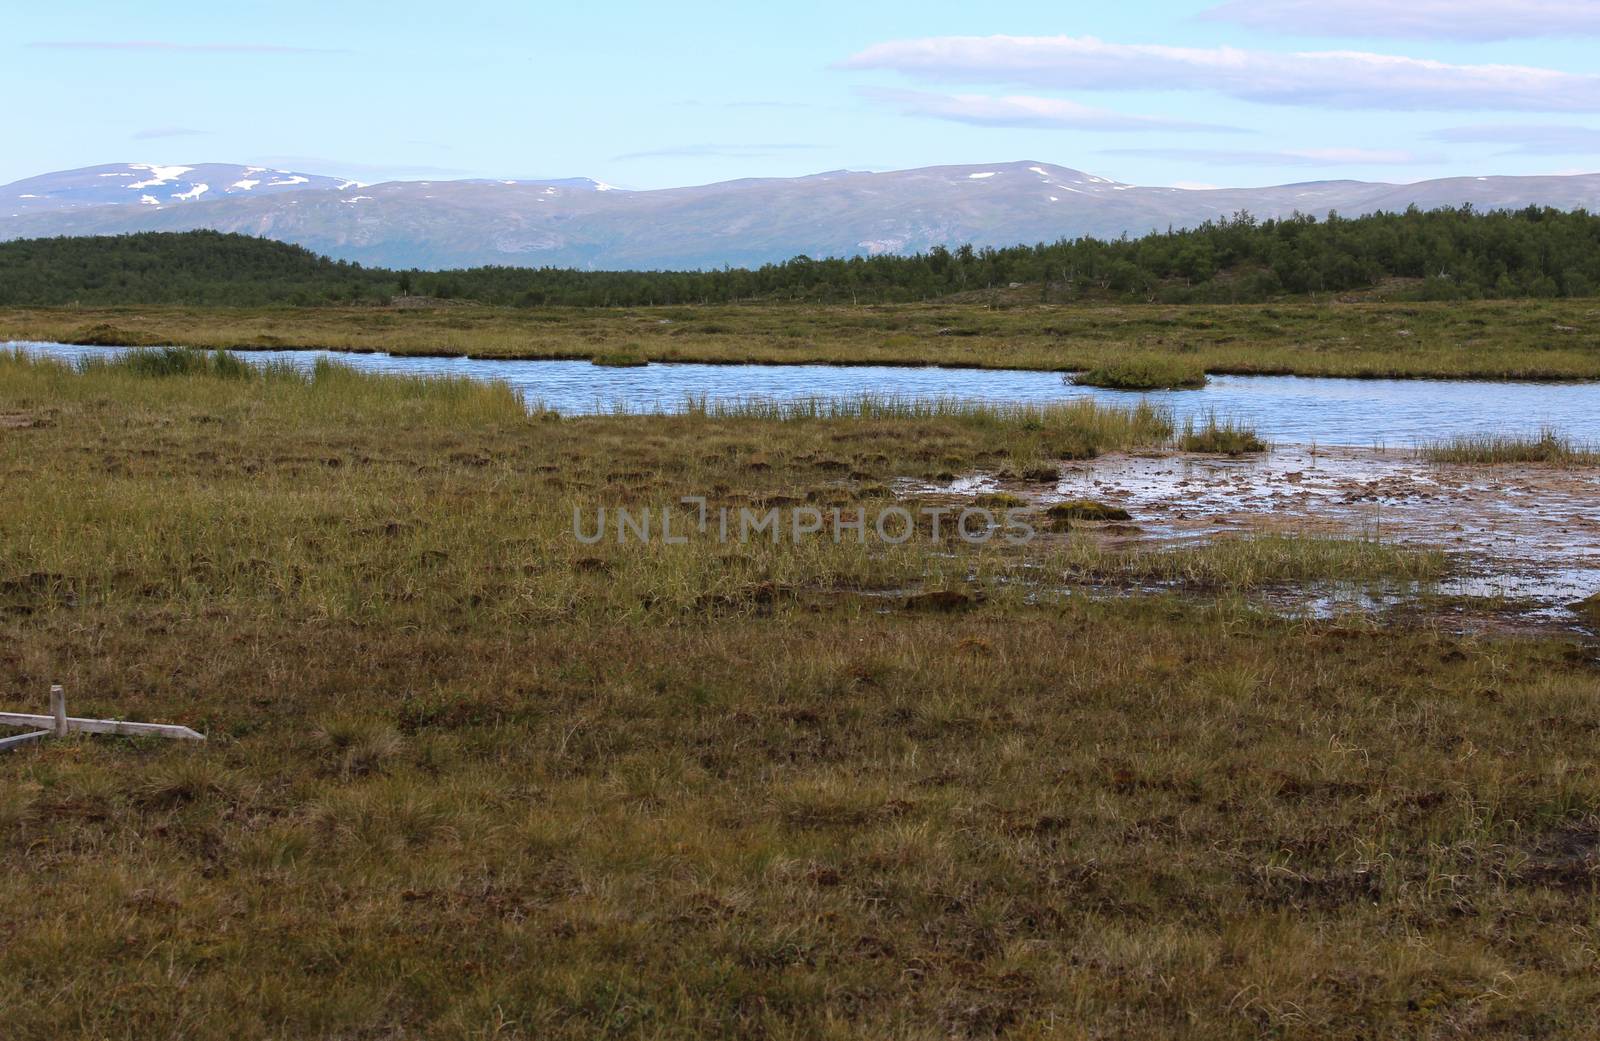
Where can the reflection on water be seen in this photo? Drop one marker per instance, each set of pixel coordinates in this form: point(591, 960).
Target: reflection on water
point(1286, 409)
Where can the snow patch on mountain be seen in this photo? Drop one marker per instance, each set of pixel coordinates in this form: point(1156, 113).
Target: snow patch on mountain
point(159, 175)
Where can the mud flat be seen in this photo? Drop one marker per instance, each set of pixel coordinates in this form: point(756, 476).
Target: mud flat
point(1526, 534)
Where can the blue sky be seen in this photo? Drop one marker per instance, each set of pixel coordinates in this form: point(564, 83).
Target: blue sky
point(650, 95)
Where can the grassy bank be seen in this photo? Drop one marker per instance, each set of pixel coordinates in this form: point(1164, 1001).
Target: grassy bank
point(467, 777)
point(1494, 340)
point(1550, 447)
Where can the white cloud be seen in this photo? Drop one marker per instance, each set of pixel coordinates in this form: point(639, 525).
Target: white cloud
point(1027, 111)
point(1323, 79)
point(1285, 157)
point(1417, 19)
point(1527, 138)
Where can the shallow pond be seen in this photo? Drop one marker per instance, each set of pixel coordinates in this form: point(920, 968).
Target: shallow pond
point(1285, 409)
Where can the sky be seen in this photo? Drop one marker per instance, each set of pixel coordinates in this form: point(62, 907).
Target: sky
point(654, 95)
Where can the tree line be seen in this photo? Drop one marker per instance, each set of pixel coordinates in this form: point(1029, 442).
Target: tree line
point(1444, 254)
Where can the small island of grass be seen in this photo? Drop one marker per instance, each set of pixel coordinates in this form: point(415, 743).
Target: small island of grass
point(1145, 374)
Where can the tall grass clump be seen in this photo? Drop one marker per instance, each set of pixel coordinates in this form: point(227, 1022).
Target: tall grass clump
point(221, 379)
point(455, 399)
point(1153, 373)
point(169, 362)
point(1224, 437)
point(619, 360)
point(1069, 429)
point(1550, 446)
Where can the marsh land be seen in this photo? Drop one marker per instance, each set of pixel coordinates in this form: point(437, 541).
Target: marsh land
point(467, 776)
point(1552, 340)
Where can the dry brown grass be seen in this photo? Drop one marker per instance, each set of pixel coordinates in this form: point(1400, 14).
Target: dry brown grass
point(1511, 340)
point(468, 779)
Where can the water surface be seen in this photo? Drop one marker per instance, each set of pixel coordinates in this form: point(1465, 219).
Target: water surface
point(1284, 409)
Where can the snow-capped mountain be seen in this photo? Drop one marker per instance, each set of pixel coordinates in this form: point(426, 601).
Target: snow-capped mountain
point(150, 184)
point(578, 222)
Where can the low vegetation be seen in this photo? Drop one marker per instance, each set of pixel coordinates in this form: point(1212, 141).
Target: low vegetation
point(1144, 374)
point(1260, 562)
point(1530, 340)
point(1086, 510)
point(1219, 437)
point(1550, 446)
point(468, 777)
point(620, 360)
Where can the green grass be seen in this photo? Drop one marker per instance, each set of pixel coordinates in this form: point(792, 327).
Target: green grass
point(1260, 561)
point(1488, 340)
point(1145, 374)
point(1219, 437)
point(620, 360)
point(1550, 447)
point(172, 361)
point(468, 778)
point(1086, 510)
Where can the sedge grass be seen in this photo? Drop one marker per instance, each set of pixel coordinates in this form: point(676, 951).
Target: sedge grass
point(1481, 339)
point(1148, 373)
point(1219, 437)
point(1258, 561)
point(1550, 447)
point(468, 778)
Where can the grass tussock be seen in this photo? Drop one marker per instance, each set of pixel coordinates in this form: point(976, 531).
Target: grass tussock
point(1219, 437)
point(770, 789)
point(331, 389)
point(1550, 447)
point(1145, 374)
point(1080, 429)
point(166, 362)
point(620, 360)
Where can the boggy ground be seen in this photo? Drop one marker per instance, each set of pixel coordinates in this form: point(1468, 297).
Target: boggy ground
point(468, 778)
point(1525, 533)
point(1491, 340)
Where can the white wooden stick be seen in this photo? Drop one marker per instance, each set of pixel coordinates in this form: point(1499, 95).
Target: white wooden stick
point(8, 743)
point(101, 726)
point(58, 708)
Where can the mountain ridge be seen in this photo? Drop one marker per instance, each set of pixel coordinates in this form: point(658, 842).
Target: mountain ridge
point(584, 223)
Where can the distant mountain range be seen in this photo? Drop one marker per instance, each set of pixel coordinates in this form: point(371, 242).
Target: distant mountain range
point(582, 223)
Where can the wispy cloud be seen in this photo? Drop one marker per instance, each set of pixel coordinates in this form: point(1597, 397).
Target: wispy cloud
point(732, 151)
point(1527, 139)
point(1416, 19)
point(1026, 111)
point(1321, 157)
point(1325, 79)
point(172, 46)
point(155, 133)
